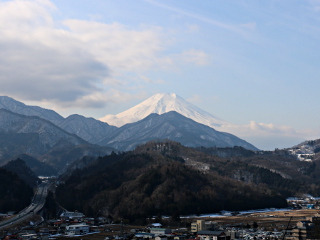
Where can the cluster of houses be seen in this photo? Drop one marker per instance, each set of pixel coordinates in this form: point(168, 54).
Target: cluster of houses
point(304, 202)
point(69, 224)
point(202, 230)
point(308, 229)
point(72, 224)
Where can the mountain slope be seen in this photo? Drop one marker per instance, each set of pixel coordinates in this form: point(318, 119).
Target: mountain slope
point(173, 126)
point(30, 135)
point(42, 140)
point(48, 133)
point(163, 103)
point(61, 157)
point(39, 168)
point(20, 108)
point(88, 129)
point(19, 167)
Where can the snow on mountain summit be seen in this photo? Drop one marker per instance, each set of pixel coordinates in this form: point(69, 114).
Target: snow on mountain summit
point(162, 103)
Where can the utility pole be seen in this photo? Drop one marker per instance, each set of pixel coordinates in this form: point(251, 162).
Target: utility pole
point(121, 231)
point(285, 232)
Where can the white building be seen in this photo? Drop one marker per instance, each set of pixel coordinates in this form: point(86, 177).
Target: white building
point(77, 229)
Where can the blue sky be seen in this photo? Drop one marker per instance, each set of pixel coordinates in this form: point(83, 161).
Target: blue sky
point(252, 63)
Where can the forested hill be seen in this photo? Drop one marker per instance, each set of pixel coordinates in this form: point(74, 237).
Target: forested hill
point(15, 193)
point(168, 179)
point(19, 167)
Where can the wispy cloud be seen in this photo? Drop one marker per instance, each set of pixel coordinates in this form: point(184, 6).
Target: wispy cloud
point(227, 26)
point(260, 129)
point(265, 135)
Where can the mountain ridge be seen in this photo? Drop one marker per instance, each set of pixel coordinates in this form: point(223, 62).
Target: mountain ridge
point(89, 129)
point(96, 132)
point(173, 126)
point(24, 124)
point(41, 139)
point(23, 109)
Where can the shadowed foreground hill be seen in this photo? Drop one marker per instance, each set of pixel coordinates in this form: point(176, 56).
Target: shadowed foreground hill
point(15, 194)
point(19, 167)
point(145, 183)
point(39, 168)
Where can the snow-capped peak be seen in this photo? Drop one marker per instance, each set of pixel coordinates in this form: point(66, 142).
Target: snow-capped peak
point(162, 103)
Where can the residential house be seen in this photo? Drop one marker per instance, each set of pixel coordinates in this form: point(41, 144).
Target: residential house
point(211, 235)
point(180, 237)
point(201, 225)
point(232, 234)
point(160, 231)
point(161, 238)
point(77, 229)
point(156, 225)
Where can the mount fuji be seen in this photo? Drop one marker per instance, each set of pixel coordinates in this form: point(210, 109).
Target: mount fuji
point(162, 103)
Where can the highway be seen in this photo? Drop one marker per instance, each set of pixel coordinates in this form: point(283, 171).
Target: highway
point(35, 206)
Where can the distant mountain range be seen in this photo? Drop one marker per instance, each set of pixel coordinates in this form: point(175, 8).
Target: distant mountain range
point(20, 108)
point(41, 139)
point(29, 134)
point(89, 129)
point(58, 141)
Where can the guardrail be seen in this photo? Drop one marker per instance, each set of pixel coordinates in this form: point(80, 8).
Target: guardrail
point(21, 216)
